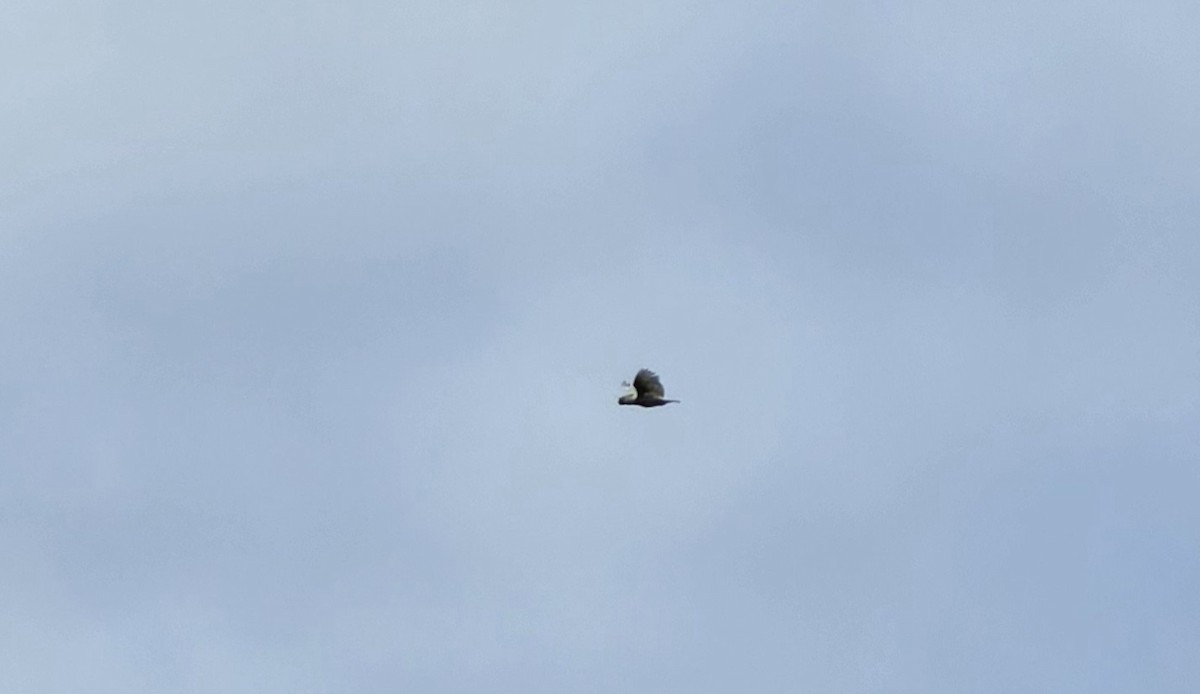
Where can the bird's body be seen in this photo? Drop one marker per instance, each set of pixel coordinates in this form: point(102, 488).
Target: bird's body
point(647, 391)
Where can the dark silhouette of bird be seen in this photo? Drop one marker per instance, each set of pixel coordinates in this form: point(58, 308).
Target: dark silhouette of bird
point(647, 391)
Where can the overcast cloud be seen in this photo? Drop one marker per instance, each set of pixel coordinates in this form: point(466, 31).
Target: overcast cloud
point(313, 317)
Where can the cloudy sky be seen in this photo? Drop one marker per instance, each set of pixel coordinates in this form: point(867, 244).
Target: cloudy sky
point(313, 317)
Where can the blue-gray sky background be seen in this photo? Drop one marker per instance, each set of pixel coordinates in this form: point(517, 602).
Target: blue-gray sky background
point(313, 317)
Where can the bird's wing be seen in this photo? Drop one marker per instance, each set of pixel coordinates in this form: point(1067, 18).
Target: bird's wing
point(646, 383)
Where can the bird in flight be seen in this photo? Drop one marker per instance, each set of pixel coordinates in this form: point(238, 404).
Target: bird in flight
point(647, 391)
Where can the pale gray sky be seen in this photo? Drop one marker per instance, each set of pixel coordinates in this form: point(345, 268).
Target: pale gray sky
point(315, 316)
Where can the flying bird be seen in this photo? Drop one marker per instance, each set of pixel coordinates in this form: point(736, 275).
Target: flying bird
point(647, 391)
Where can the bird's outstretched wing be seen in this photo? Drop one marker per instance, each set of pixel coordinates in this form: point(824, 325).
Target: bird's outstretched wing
point(646, 383)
